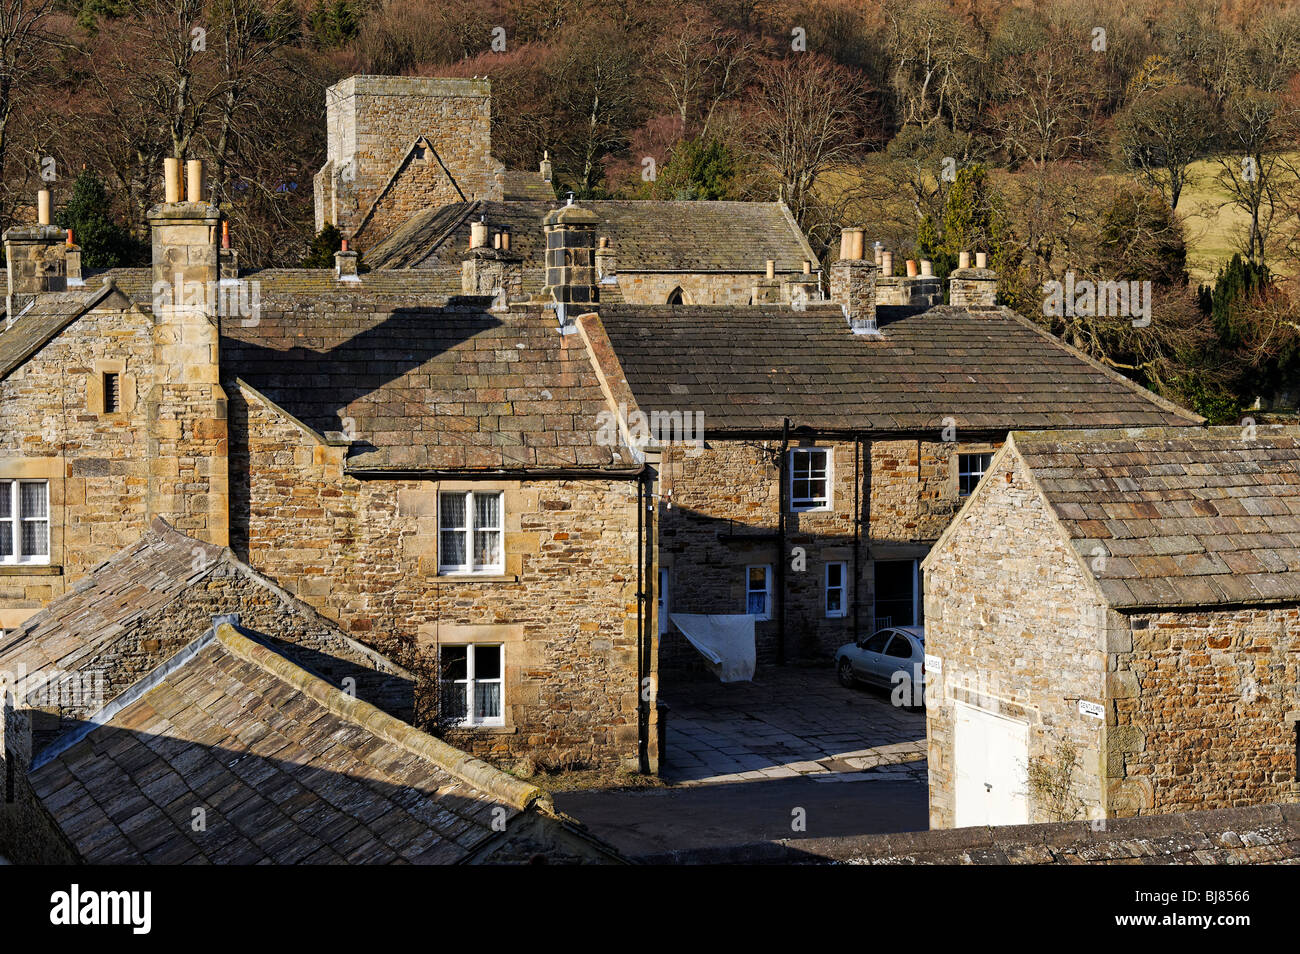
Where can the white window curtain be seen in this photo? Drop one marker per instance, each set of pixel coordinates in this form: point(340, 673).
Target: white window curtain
point(470, 532)
point(24, 521)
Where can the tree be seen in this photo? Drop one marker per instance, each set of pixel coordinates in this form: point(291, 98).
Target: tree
point(1142, 240)
point(1047, 101)
point(699, 68)
point(1258, 128)
point(1162, 133)
point(699, 169)
point(104, 242)
point(809, 117)
point(23, 35)
point(936, 58)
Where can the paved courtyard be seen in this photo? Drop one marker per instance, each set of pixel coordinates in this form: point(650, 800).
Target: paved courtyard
point(746, 758)
point(789, 722)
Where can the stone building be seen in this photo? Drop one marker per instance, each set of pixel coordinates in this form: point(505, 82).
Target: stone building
point(839, 440)
point(1129, 598)
point(448, 456)
point(424, 470)
point(409, 172)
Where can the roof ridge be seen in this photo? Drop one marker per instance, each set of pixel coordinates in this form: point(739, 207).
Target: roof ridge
point(475, 772)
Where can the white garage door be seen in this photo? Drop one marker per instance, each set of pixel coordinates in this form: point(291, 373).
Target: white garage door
point(991, 755)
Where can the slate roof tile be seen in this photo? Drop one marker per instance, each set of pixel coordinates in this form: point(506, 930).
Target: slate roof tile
point(1219, 542)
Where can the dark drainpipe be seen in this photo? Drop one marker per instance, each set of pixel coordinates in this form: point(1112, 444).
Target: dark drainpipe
point(857, 535)
point(782, 477)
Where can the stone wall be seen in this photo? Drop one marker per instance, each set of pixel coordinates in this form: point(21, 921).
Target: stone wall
point(28, 835)
point(53, 427)
point(724, 516)
point(372, 124)
point(364, 553)
point(698, 288)
point(1019, 631)
point(1205, 706)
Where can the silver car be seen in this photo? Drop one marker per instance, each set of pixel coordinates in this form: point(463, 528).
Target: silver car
point(891, 657)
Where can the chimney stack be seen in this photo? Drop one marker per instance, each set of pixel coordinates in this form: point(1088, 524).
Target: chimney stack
point(606, 261)
point(571, 255)
point(973, 287)
point(186, 450)
point(345, 264)
point(545, 167)
point(853, 283)
point(36, 258)
point(72, 262)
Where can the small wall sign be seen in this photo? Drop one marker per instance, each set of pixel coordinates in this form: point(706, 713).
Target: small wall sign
point(1094, 709)
point(933, 664)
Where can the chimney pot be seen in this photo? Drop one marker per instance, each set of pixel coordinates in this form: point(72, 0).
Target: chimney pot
point(70, 241)
point(911, 268)
point(807, 267)
point(225, 233)
point(855, 244)
point(927, 268)
point(505, 240)
point(963, 259)
point(43, 207)
point(981, 260)
point(878, 250)
point(172, 179)
point(478, 234)
point(771, 270)
point(887, 264)
point(194, 180)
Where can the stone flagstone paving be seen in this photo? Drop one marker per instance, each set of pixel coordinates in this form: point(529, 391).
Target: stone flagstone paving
point(789, 722)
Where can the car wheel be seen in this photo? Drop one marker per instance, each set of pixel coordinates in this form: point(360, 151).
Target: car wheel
point(845, 673)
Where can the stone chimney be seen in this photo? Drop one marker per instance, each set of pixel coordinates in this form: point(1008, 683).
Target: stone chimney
point(802, 289)
point(973, 287)
point(545, 168)
point(494, 272)
point(766, 291)
point(35, 259)
point(606, 261)
point(571, 255)
point(853, 283)
point(346, 267)
point(72, 262)
point(187, 423)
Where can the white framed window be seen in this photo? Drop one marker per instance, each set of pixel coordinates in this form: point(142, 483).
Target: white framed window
point(810, 478)
point(470, 536)
point(24, 521)
point(758, 591)
point(473, 684)
point(837, 575)
point(970, 468)
point(661, 601)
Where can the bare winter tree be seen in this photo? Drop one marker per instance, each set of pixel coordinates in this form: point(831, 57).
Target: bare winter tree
point(1162, 133)
point(699, 69)
point(936, 57)
point(811, 116)
point(1047, 101)
point(1258, 130)
point(23, 36)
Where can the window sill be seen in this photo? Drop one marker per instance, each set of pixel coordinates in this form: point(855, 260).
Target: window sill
point(826, 508)
point(478, 577)
point(486, 729)
point(30, 569)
